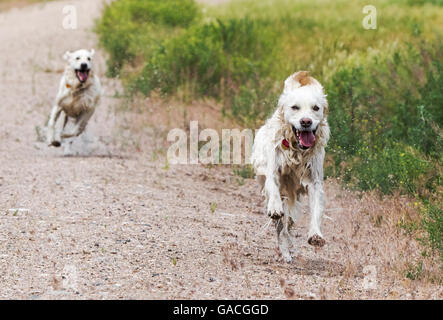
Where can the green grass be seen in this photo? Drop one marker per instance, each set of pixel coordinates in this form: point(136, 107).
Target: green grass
point(383, 85)
point(245, 172)
point(415, 272)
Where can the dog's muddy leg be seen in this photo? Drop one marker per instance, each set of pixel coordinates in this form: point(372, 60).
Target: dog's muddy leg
point(286, 242)
point(80, 125)
point(316, 241)
point(294, 211)
point(283, 239)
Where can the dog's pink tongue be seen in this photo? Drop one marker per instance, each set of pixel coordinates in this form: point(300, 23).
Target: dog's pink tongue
point(83, 76)
point(307, 138)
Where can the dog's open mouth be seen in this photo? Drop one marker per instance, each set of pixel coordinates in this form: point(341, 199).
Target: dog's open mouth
point(82, 75)
point(305, 138)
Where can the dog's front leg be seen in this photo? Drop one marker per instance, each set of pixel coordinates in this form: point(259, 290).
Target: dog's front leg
point(54, 131)
point(316, 202)
point(274, 207)
point(53, 135)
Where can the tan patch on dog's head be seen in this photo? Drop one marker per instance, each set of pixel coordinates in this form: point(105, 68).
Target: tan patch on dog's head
point(299, 79)
point(303, 78)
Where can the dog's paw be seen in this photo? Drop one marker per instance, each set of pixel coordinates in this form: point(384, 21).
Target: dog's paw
point(56, 144)
point(275, 209)
point(316, 241)
point(274, 213)
point(285, 253)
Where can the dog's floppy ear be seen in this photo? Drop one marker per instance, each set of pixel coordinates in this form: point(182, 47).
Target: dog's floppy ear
point(297, 80)
point(326, 106)
point(92, 52)
point(67, 55)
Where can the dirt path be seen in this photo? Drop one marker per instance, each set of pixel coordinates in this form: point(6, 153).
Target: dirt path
point(118, 224)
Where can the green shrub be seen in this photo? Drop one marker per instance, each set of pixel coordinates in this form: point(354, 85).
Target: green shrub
point(116, 31)
point(433, 223)
point(381, 131)
point(345, 94)
point(418, 120)
point(212, 59)
point(168, 12)
point(131, 28)
point(425, 134)
point(431, 94)
point(250, 105)
point(393, 167)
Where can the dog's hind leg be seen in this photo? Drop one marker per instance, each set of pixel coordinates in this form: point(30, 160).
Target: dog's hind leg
point(285, 240)
point(293, 212)
point(294, 208)
point(80, 125)
point(67, 143)
point(65, 122)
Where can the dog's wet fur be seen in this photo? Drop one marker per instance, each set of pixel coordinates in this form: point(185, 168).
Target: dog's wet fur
point(288, 156)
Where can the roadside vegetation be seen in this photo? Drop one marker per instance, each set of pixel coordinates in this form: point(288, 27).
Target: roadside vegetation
point(384, 86)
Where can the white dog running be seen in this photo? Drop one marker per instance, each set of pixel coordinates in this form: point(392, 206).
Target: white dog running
point(288, 155)
point(79, 94)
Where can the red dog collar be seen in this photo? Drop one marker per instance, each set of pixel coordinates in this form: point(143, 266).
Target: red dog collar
point(285, 144)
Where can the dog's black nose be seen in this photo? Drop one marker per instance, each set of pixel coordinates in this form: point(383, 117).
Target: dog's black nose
point(84, 66)
point(306, 122)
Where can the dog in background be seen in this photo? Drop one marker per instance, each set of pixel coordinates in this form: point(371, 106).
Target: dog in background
point(288, 155)
point(78, 95)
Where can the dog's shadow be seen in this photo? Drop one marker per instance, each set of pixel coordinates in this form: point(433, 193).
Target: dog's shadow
point(308, 266)
point(86, 145)
point(95, 149)
point(89, 145)
point(322, 267)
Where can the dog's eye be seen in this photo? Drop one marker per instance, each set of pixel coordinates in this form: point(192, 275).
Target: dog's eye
point(78, 58)
point(89, 59)
point(295, 108)
point(316, 108)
